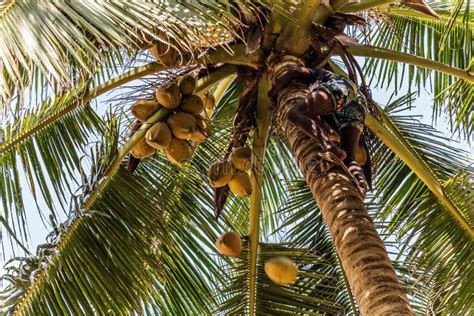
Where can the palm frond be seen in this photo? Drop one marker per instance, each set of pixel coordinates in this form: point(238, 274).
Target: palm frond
point(49, 156)
point(88, 37)
point(310, 295)
point(139, 244)
point(433, 240)
point(447, 40)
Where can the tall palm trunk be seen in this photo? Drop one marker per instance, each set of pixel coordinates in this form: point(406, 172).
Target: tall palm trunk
point(362, 253)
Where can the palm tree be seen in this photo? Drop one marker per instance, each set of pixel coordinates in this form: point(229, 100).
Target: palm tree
point(142, 242)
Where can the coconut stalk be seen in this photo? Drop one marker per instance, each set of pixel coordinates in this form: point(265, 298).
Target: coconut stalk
point(382, 53)
point(260, 137)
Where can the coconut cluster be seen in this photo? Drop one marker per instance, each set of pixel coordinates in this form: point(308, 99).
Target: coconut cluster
point(233, 172)
point(184, 125)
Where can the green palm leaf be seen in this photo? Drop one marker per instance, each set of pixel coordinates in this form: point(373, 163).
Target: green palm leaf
point(447, 40)
point(432, 238)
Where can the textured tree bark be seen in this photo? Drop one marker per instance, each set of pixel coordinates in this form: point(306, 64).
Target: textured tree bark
point(363, 255)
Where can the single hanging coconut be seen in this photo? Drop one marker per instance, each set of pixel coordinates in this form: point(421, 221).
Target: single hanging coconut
point(182, 125)
point(281, 270)
point(192, 104)
point(165, 51)
point(240, 184)
point(209, 100)
point(144, 109)
point(220, 173)
point(168, 95)
point(229, 244)
point(241, 158)
point(186, 85)
point(179, 151)
point(142, 150)
point(202, 130)
point(159, 136)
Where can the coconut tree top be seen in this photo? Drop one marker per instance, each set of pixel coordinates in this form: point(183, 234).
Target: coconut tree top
point(143, 242)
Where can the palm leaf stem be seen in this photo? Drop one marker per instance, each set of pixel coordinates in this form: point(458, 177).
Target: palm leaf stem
point(220, 90)
point(366, 4)
point(388, 133)
point(296, 36)
point(222, 86)
point(325, 12)
point(375, 52)
point(159, 115)
point(260, 137)
point(420, 16)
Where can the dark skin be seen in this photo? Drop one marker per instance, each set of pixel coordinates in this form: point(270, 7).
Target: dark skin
point(318, 103)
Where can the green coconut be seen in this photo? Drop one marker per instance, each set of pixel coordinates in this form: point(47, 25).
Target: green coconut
point(159, 136)
point(182, 125)
point(186, 85)
point(241, 158)
point(281, 270)
point(168, 95)
point(229, 244)
point(220, 173)
point(142, 150)
point(179, 151)
point(144, 109)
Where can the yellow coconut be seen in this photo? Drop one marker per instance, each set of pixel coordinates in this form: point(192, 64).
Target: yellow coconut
point(281, 270)
point(192, 104)
point(220, 173)
point(142, 150)
point(209, 100)
point(186, 85)
point(182, 125)
point(179, 151)
point(168, 95)
point(361, 155)
point(165, 51)
point(229, 244)
point(159, 136)
point(240, 184)
point(202, 130)
point(144, 109)
point(241, 158)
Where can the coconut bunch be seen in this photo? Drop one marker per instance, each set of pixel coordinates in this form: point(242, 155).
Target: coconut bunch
point(233, 172)
point(185, 124)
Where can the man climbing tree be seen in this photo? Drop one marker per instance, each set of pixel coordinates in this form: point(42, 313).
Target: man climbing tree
point(333, 102)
